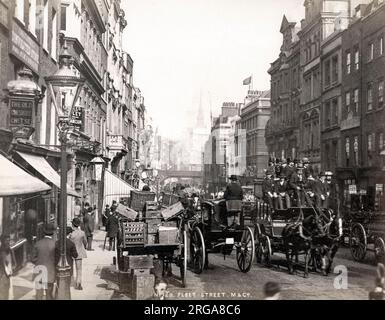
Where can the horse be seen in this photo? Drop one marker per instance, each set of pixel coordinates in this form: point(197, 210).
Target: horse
point(298, 239)
point(326, 244)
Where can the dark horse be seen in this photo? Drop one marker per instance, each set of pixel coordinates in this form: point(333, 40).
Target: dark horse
point(298, 238)
point(325, 244)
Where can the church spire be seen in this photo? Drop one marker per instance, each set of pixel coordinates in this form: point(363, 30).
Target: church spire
point(200, 117)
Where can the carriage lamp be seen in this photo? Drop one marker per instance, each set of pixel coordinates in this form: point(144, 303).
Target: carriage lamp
point(64, 87)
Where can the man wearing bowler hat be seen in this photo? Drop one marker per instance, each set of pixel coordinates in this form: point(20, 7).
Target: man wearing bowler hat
point(43, 257)
point(78, 237)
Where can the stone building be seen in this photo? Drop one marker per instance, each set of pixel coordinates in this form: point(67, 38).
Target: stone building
point(254, 116)
point(282, 130)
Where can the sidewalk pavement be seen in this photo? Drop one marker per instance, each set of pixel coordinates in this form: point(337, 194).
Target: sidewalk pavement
point(94, 288)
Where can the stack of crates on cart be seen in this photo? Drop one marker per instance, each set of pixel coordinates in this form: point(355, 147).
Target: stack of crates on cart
point(134, 233)
point(142, 282)
point(153, 219)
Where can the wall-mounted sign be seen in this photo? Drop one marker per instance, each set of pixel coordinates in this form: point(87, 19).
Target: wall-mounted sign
point(353, 189)
point(21, 113)
point(77, 118)
point(24, 47)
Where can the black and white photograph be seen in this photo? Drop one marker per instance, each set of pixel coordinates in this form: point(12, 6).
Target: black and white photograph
point(192, 150)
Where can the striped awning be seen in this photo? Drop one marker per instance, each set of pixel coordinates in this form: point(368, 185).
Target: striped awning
point(44, 168)
point(115, 188)
point(15, 181)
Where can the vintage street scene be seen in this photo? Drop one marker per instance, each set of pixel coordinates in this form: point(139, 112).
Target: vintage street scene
point(192, 150)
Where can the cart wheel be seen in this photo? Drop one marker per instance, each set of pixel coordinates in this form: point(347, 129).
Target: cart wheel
point(120, 258)
point(379, 250)
point(183, 260)
point(246, 251)
point(358, 242)
point(197, 250)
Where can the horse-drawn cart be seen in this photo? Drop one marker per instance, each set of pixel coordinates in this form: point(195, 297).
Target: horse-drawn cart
point(365, 229)
point(152, 232)
point(308, 231)
point(219, 228)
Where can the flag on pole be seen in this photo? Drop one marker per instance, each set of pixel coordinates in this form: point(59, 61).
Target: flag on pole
point(247, 81)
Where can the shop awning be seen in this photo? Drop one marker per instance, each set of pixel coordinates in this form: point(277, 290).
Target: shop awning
point(115, 188)
point(44, 168)
point(15, 181)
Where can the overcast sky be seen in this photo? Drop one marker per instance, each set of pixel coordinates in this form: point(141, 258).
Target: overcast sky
point(185, 51)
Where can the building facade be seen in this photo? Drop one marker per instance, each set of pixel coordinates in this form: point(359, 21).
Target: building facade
point(282, 130)
point(253, 118)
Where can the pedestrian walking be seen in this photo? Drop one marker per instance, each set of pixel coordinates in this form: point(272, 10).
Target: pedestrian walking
point(71, 252)
point(43, 256)
point(112, 228)
point(78, 237)
point(272, 291)
point(5, 268)
point(89, 226)
point(106, 214)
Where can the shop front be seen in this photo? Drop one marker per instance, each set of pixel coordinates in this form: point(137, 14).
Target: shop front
point(17, 189)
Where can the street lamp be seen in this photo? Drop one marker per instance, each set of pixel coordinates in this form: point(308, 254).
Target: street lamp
point(65, 87)
point(98, 164)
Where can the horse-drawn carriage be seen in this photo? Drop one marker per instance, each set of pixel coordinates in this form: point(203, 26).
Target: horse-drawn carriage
point(218, 227)
point(365, 229)
point(309, 231)
point(146, 230)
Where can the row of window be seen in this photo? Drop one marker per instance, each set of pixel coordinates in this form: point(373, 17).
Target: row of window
point(375, 49)
point(37, 19)
point(374, 145)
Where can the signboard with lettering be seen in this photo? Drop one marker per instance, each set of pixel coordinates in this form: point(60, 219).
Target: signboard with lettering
point(77, 118)
point(21, 113)
point(24, 47)
point(353, 189)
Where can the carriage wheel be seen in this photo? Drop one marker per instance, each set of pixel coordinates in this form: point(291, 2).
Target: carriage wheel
point(120, 258)
point(246, 251)
point(379, 250)
point(358, 242)
point(197, 250)
point(183, 260)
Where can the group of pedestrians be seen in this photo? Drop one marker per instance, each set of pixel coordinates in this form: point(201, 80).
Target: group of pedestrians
point(46, 256)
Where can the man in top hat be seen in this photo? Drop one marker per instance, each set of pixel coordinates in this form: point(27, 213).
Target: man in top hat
point(324, 190)
point(43, 257)
point(281, 189)
point(297, 185)
point(233, 190)
point(289, 169)
point(268, 189)
point(78, 237)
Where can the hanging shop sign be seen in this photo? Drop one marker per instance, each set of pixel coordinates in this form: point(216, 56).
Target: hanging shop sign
point(21, 118)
